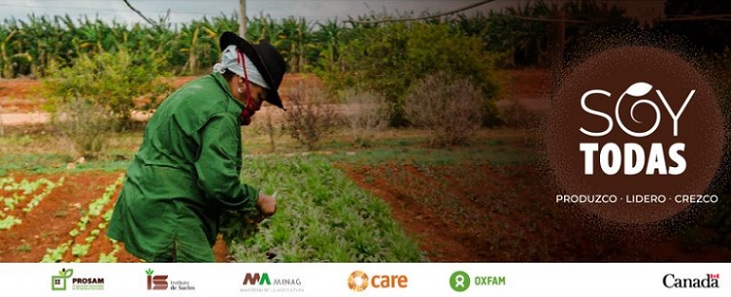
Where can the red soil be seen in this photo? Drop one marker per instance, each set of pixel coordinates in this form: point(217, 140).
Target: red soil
point(482, 213)
point(48, 225)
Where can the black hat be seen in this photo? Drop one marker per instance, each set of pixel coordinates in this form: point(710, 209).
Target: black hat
point(267, 60)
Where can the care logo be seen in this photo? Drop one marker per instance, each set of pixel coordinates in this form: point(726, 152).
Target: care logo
point(460, 281)
point(59, 282)
point(262, 282)
point(709, 281)
point(359, 281)
point(635, 135)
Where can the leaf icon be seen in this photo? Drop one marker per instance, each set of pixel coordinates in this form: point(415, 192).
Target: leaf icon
point(149, 271)
point(67, 272)
point(638, 89)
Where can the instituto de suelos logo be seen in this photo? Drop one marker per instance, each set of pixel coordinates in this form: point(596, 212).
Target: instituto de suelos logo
point(359, 281)
point(161, 283)
point(460, 281)
point(709, 281)
point(262, 282)
point(60, 282)
point(156, 282)
point(635, 135)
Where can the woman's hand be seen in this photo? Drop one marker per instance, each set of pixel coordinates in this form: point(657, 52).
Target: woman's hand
point(267, 205)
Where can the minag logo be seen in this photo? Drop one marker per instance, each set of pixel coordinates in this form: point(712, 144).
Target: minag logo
point(671, 281)
point(359, 281)
point(635, 135)
point(261, 282)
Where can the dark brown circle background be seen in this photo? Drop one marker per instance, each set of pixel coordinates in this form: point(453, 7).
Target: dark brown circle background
point(700, 127)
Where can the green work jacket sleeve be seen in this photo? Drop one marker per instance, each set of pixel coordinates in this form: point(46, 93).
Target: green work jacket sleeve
point(219, 163)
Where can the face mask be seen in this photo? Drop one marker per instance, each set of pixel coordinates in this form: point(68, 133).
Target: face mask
point(249, 109)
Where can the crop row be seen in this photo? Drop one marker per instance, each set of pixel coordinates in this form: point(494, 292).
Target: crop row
point(94, 211)
point(15, 193)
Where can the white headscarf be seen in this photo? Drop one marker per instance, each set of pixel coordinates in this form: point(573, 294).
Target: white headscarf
point(230, 61)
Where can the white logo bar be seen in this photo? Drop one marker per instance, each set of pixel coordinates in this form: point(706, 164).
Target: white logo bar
point(366, 279)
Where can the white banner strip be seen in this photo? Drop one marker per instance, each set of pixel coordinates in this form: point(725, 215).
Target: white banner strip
point(357, 279)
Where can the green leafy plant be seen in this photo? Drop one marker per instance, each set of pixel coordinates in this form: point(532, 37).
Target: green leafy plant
point(56, 255)
point(111, 257)
point(8, 222)
point(108, 82)
point(238, 225)
point(322, 217)
point(389, 59)
point(95, 207)
point(47, 191)
point(80, 250)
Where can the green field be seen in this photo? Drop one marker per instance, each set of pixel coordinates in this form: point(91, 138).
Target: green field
point(323, 215)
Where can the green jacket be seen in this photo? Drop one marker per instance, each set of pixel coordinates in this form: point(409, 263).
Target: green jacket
point(184, 174)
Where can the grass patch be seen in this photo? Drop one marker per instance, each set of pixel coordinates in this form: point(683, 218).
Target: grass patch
point(425, 156)
point(54, 163)
point(322, 217)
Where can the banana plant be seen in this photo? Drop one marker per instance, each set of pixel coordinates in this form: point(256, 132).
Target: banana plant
point(329, 39)
point(295, 40)
point(6, 67)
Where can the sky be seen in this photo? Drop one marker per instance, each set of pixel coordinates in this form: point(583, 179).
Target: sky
point(186, 10)
point(313, 10)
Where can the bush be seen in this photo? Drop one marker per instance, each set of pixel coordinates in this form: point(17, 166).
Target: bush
point(265, 123)
point(111, 80)
point(367, 114)
point(309, 117)
point(515, 115)
point(87, 125)
point(388, 59)
point(450, 110)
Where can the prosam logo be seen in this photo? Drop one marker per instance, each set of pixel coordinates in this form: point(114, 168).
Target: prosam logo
point(710, 281)
point(635, 135)
point(59, 282)
point(156, 282)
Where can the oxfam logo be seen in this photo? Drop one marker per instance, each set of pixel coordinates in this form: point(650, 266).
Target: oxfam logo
point(635, 135)
point(459, 281)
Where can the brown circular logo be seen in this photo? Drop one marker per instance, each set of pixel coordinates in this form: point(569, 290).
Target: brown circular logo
point(358, 281)
point(635, 135)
